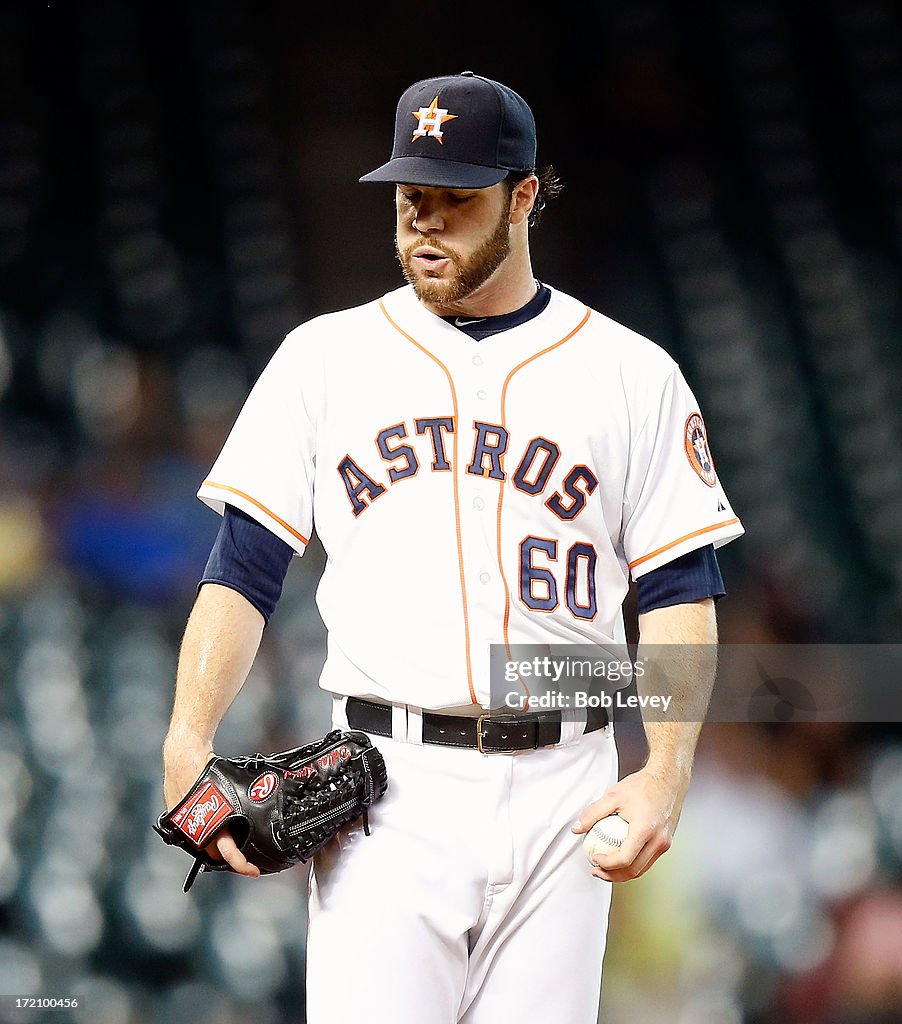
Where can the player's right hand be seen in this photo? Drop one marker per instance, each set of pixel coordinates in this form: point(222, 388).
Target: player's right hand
point(224, 848)
point(182, 763)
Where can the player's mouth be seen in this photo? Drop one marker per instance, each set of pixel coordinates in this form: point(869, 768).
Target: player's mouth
point(428, 258)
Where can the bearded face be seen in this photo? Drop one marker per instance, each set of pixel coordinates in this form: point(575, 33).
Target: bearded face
point(442, 272)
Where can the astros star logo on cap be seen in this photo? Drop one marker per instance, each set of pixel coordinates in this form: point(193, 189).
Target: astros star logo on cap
point(430, 120)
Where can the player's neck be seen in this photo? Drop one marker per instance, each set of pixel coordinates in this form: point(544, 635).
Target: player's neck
point(507, 290)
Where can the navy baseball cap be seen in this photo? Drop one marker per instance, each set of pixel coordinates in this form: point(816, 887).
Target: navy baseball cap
point(459, 131)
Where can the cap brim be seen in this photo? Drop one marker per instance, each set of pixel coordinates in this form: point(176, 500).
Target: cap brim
point(429, 171)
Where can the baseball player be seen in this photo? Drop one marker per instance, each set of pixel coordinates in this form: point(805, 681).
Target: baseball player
point(486, 461)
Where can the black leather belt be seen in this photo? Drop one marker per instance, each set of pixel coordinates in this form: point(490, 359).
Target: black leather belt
point(489, 734)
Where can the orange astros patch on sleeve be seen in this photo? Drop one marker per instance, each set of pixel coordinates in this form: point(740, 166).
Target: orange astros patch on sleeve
point(695, 441)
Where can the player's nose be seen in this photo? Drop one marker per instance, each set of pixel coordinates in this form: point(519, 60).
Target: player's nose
point(429, 217)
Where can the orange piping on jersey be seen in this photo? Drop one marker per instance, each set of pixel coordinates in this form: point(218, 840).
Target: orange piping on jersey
point(263, 508)
point(679, 540)
point(460, 546)
point(516, 369)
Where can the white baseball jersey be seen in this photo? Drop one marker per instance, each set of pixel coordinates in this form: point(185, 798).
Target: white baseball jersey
point(469, 493)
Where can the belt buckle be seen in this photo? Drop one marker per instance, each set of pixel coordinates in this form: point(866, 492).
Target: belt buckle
point(500, 719)
point(479, 737)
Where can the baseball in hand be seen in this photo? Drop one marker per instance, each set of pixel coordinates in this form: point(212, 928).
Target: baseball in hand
point(605, 836)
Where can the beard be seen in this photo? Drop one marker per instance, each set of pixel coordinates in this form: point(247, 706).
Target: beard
point(470, 272)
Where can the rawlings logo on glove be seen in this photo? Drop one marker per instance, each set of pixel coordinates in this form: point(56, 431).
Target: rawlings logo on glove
point(280, 808)
point(201, 814)
point(264, 787)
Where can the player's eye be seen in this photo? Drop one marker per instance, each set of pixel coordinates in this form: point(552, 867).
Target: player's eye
point(409, 197)
point(460, 200)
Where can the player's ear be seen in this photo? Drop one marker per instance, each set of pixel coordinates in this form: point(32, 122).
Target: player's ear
point(523, 198)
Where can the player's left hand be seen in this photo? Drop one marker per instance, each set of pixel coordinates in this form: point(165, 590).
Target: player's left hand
point(650, 800)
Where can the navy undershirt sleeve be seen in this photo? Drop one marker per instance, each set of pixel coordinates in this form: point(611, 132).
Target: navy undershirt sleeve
point(691, 577)
point(249, 559)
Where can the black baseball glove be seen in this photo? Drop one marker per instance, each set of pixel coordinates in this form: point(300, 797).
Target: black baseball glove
point(280, 808)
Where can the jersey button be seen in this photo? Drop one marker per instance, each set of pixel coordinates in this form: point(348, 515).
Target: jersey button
point(480, 394)
point(477, 360)
point(478, 504)
point(484, 577)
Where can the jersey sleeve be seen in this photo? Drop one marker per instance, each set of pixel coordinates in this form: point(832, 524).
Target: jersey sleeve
point(674, 502)
point(267, 463)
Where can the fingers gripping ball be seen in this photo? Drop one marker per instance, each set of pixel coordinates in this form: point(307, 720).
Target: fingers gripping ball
point(280, 808)
point(604, 837)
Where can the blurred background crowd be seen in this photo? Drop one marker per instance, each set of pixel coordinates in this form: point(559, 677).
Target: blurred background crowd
point(178, 189)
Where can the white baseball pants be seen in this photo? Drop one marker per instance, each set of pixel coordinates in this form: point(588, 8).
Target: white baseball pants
point(471, 902)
